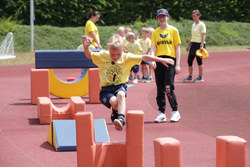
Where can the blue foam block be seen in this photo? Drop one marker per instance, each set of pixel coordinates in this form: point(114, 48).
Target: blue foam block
point(62, 59)
point(65, 133)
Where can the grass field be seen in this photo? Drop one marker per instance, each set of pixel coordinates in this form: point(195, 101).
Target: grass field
point(28, 57)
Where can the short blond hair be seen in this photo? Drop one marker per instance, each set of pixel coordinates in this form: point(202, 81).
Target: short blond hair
point(85, 36)
point(130, 35)
point(144, 29)
point(115, 42)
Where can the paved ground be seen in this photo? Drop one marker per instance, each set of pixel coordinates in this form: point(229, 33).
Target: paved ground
point(219, 106)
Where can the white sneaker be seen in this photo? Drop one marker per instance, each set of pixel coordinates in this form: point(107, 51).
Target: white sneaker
point(135, 80)
point(175, 117)
point(161, 118)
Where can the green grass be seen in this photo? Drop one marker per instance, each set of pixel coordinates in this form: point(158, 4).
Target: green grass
point(221, 36)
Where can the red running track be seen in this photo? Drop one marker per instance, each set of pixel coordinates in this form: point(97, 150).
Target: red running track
point(219, 106)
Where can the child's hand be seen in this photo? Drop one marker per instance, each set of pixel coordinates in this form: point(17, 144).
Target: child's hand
point(87, 42)
point(169, 61)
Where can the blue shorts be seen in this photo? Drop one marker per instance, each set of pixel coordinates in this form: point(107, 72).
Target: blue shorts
point(135, 68)
point(144, 62)
point(109, 91)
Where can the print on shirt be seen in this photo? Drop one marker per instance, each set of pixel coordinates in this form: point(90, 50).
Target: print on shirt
point(164, 41)
point(114, 73)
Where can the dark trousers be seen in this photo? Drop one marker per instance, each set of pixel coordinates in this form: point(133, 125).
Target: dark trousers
point(164, 78)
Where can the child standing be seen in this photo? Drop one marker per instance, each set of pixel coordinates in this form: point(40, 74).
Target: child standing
point(166, 44)
point(133, 47)
point(114, 68)
point(145, 43)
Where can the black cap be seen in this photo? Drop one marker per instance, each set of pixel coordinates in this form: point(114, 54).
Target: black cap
point(161, 12)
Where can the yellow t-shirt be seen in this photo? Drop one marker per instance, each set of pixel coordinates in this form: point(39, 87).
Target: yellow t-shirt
point(90, 26)
point(145, 45)
point(165, 41)
point(134, 48)
point(197, 30)
point(114, 73)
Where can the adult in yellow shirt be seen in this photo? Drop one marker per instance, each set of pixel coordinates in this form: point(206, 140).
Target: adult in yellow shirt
point(197, 41)
point(165, 43)
point(91, 29)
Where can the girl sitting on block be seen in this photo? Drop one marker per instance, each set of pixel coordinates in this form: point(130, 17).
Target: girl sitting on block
point(114, 69)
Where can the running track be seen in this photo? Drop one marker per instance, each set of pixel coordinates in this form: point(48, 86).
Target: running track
point(219, 106)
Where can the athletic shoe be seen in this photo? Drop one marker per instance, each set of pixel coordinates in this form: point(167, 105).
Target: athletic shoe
point(114, 115)
point(150, 79)
point(119, 123)
point(144, 78)
point(161, 118)
point(138, 77)
point(135, 80)
point(198, 79)
point(188, 79)
point(175, 117)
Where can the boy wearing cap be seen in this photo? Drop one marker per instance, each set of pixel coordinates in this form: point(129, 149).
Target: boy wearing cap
point(165, 43)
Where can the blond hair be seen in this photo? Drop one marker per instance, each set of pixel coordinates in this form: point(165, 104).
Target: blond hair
point(130, 35)
point(115, 42)
point(144, 29)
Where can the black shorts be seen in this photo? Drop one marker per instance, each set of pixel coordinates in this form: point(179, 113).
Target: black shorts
point(109, 91)
point(192, 53)
point(135, 68)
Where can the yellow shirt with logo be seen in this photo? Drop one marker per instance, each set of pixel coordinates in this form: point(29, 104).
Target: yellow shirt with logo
point(114, 73)
point(197, 30)
point(134, 47)
point(90, 26)
point(165, 41)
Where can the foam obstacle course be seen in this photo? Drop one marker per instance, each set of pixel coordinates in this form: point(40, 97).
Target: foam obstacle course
point(47, 111)
point(62, 134)
point(44, 81)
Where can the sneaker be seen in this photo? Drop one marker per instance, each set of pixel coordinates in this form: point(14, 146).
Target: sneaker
point(188, 79)
point(114, 115)
point(198, 79)
point(135, 80)
point(130, 77)
point(144, 78)
point(150, 79)
point(161, 118)
point(119, 123)
point(175, 117)
point(138, 77)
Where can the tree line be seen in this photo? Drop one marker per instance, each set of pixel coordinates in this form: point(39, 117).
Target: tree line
point(114, 12)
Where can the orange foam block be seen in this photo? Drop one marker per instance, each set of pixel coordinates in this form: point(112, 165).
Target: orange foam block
point(94, 85)
point(47, 111)
point(39, 84)
point(230, 151)
point(110, 154)
point(167, 152)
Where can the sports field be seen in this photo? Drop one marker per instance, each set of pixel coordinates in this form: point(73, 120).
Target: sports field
point(219, 106)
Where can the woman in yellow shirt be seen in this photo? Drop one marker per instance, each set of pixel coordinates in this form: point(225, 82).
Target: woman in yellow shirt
point(91, 29)
point(197, 41)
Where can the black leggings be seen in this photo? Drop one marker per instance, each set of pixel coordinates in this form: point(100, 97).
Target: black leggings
point(164, 78)
point(192, 54)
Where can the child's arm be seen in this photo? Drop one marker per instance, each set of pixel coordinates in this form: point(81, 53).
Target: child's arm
point(86, 45)
point(164, 61)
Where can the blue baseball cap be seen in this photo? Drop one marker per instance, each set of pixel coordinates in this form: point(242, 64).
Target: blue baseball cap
point(162, 12)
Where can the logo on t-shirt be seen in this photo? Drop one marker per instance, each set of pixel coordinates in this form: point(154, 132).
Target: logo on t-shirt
point(114, 73)
point(163, 35)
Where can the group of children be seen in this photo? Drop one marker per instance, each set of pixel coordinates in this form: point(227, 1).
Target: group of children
point(137, 46)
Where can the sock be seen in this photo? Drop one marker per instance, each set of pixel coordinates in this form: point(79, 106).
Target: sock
point(121, 116)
